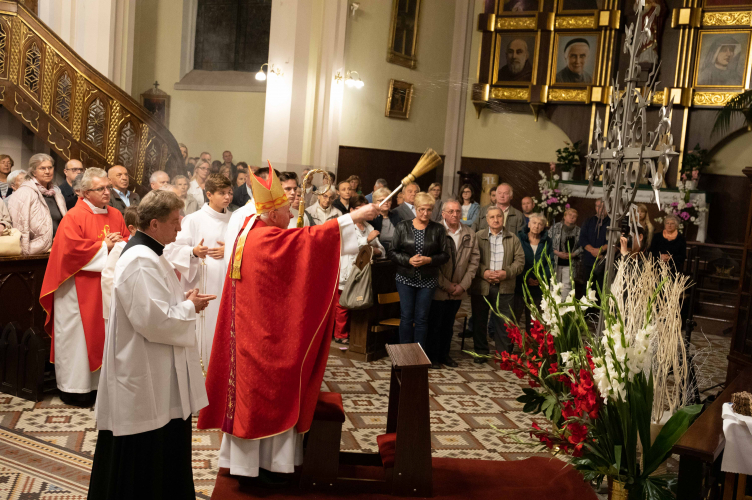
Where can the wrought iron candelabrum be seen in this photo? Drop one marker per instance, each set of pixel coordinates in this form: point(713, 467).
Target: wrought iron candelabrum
point(629, 152)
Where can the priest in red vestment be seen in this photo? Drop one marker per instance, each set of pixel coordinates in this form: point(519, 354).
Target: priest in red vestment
point(273, 333)
point(72, 292)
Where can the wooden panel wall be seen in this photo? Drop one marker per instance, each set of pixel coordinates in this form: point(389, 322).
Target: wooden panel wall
point(729, 199)
point(371, 164)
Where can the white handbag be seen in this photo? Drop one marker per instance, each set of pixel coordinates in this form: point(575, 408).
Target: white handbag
point(10, 244)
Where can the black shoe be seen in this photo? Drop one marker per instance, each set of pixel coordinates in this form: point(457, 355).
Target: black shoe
point(435, 366)
point(479, 361)
point(273, 478)
point(450, 362)
point(84, 400)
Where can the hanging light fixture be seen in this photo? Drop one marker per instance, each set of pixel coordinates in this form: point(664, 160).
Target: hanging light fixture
point(350, 81)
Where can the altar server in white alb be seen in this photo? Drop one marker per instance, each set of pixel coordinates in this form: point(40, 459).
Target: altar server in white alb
point(151, 378)
point(199, 254)
point(130, 214)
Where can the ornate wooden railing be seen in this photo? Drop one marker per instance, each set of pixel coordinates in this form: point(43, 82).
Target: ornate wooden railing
point(74, 108)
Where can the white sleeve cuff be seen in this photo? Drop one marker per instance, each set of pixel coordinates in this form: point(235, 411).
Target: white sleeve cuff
point(99, 261)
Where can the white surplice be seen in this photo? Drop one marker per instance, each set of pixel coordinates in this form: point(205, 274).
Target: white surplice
point(234, 227)
point(211, 226)
point(72, 370)
point(280, 453)
point(108, 278)
point(150, 369)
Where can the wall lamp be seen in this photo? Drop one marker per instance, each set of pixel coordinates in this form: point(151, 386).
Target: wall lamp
point(261, 76)
point(350, 80)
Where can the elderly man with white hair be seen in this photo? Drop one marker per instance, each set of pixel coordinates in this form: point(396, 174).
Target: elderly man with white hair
point(72, 292)
point(15, 179)
point(158, 179)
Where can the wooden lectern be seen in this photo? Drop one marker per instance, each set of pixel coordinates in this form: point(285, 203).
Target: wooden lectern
point(403, 465)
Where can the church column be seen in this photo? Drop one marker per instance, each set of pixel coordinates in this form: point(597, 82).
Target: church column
point(301, 122)
point(100, 31)
point(457, 101)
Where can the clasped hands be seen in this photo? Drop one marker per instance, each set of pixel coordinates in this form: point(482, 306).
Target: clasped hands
point(418, 260)
point(494, 277)
point(111, 239)
point(200, 300)
point(202, 251)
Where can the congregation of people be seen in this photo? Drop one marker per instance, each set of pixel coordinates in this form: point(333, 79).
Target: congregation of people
point(445, 252)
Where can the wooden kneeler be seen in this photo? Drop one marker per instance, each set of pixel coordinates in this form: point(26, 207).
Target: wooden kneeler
point(321, 458)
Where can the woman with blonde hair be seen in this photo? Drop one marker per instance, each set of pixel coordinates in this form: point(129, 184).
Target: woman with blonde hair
point(198, 183)
point(646, 223)
point(419, 248)
point(38, 206)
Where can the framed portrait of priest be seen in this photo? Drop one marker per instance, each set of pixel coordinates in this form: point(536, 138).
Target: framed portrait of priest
point(723, 59)
point(575, 58)
point(399, 99)
point(516, 58)
point(508, 6)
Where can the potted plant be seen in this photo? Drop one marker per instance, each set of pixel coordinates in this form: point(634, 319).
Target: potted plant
point(693, 163)
point(595, 398)
point(568, 158)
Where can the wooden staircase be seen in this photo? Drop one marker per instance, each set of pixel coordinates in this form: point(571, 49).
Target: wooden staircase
point(74, 108)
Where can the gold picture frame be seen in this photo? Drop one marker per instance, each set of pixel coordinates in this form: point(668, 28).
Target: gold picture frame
point(403, 34)
point(504, 72)
point(399, 100)
point(713, 46)
point(726, 4)
point(561, 72)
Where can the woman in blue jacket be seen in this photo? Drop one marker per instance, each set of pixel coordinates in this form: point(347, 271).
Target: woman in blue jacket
point(470, 207)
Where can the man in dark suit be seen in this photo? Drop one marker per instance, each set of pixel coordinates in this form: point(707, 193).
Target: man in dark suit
point(120, 197)
point(406, 210)
point(514, 220)
point(71, 171)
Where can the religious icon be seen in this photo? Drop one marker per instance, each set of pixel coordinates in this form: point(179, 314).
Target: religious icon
point(515, 58)
point(576, 57)
point(399, 99)
point(520, 6)
point(579, 5)
point(403, 36)
point(648, 50)
point(722, 58)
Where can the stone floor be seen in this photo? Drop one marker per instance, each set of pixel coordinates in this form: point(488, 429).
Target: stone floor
point(46, 447)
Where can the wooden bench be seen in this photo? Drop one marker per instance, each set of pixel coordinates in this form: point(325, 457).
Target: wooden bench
point(702, 444)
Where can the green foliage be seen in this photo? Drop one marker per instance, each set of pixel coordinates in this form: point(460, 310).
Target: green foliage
point(740, 105)
point(697, 159)
point(568, 157)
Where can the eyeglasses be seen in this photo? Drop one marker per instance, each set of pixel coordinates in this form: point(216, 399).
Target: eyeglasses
point(202, 168)
point(46, 169)
point(77, 170)
point(425, 210)
point(452, 212)
point(101, 189)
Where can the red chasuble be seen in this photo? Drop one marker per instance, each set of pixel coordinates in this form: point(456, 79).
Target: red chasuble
point(273, 332)
point(78, 239)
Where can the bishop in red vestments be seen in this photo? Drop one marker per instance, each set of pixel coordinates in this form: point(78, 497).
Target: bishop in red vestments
point(74, 306)
point(273, 332)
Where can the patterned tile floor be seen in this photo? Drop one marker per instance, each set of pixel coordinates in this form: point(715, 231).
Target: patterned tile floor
point(466, 403)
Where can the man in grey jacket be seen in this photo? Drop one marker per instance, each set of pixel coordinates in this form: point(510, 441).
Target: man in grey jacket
point(514, 220)
point(406, 211)
point(501, 260)
point(455, 279)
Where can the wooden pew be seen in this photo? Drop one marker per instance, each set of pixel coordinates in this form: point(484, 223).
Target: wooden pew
point(365, 344)
point(702, 444)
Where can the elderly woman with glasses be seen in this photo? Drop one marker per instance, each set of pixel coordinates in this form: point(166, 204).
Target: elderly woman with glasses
point(38, 206)
point(670, 245)
point(419, 248)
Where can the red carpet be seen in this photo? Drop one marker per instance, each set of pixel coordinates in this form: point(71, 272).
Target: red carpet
point(531, 479)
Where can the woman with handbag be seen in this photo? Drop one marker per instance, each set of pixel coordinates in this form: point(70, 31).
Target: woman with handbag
point(38, 206)
point(366, 235)
point(419, 249)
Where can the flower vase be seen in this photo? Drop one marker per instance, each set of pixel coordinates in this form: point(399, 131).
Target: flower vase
point(692, 184)
point(566, 175)
point(617, 490)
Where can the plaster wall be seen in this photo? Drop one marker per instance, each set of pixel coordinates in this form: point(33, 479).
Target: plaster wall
point(733, 156)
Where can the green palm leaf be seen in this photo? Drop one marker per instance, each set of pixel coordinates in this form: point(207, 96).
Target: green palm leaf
point(739, 105)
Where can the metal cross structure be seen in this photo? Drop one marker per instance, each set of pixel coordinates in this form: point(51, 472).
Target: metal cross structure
point(629, 150)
